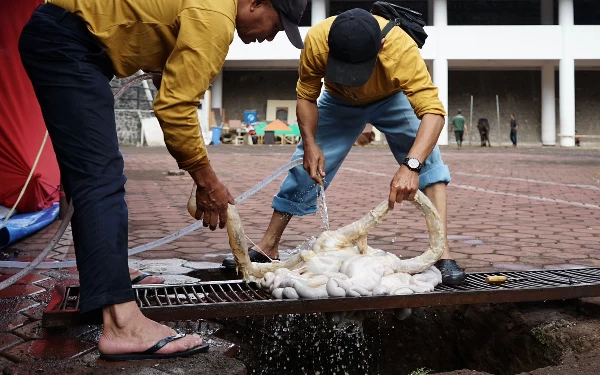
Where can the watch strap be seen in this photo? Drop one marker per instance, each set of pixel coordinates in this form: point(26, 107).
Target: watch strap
point(417, 169)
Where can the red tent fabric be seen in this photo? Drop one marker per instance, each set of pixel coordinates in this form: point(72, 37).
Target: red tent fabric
point(22, 127)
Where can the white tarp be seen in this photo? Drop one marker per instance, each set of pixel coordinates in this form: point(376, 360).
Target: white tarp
point(152, 134)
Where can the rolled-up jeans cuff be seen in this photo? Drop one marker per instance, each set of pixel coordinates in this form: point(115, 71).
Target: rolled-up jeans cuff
point(293, 208)
point(433, 175)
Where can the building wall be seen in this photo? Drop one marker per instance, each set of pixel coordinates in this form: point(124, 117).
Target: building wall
point(518, 92)
point(272, 106)
point(587, 92)
point(249, 90)
point(128, 110)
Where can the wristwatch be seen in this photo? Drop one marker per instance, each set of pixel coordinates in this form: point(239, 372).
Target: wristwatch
point(413, 164)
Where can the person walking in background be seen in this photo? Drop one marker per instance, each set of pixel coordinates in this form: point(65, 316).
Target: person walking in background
point(459, 126)
point(514, 126)
point(484, 131)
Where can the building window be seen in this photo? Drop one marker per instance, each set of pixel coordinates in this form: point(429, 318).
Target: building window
point(337, 7)
point(305, 21)
point(494, 12)
point(587, 12)
point(281, 113)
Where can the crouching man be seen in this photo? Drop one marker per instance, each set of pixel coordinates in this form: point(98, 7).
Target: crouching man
point(71, 49)
point(371, 76)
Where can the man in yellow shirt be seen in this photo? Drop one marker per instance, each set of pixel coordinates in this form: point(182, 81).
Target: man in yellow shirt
point(370, 77)
point(71, 49)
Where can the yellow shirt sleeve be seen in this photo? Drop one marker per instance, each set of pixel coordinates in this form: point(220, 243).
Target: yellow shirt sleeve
point(409, 73)
point(312, 67)
point(202, 45)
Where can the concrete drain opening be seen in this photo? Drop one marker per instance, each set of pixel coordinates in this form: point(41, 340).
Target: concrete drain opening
point(501, 339)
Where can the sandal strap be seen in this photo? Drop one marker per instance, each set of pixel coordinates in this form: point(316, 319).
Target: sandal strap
point(164, 342)
point(139, 278)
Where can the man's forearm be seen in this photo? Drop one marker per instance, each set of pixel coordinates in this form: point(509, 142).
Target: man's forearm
point(427, 136)
point(308, 118)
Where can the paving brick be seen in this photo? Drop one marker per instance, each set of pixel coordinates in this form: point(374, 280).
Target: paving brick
point(7, 340)
point(35, 313)
point(538, 241)
point(17, 306)
point(470, 264)
point(44, 297)
point(8, 322)
point(47, 349)
point(566, 255)
point(565, 266)
point(473, 250)
point(517, 231)
point(563, 245)
point(35, 330)
point(541, 260)
point(31, 278)
point(20, 291)
point(494, 257)
point(516, 266)
point(588, 262)
point(479, 234)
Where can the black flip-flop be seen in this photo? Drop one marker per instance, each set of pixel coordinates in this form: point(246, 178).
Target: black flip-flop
point(151, 353)
point(254, 255)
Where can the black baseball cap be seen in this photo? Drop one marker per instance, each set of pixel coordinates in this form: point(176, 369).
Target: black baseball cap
point(354, 42)
point(290, 12)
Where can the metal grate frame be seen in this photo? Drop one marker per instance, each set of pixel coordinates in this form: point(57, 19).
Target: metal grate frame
point(220, 299)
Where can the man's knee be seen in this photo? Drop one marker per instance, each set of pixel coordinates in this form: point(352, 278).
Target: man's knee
point(87, 186)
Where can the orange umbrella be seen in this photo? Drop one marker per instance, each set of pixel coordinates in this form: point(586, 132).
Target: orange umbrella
point(277, 125)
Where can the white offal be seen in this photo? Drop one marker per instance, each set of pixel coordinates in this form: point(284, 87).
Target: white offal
point(341, 263)
point(347, 273)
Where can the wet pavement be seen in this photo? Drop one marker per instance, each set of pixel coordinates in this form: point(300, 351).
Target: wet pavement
point(509, 209)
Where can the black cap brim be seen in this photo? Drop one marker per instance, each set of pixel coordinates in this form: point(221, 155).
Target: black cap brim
point(351, 75)
point(293, 32)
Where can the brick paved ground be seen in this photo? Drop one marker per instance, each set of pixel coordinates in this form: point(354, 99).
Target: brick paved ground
point(508, 208)
point(523, 208)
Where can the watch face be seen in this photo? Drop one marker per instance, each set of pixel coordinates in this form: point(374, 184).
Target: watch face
point(413, 163)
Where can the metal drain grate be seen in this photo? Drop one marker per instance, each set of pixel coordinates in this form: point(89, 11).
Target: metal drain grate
point(222, 299)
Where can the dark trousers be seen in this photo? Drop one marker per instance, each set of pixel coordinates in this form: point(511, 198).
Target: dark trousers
point(513, 137)
point(459, 136)
point(70, 74)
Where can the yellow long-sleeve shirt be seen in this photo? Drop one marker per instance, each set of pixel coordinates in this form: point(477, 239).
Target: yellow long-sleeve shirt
point(399, 67)
point(187, 39)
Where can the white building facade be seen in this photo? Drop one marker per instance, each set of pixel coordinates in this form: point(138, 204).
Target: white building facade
point(544, 41)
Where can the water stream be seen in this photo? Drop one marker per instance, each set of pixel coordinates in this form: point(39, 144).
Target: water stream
point(323, 206)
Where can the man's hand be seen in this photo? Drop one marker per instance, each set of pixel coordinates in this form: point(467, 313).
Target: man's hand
point(404, 186)
point(212, 198)
point(314, 162)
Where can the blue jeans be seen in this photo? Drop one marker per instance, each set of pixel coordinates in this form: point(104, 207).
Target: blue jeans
point(513, 137)
point(340, 124)
point(71, 76)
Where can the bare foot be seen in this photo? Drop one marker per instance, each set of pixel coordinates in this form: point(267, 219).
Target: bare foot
point(272, 251)
point(126, 330)
point(133, 273)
